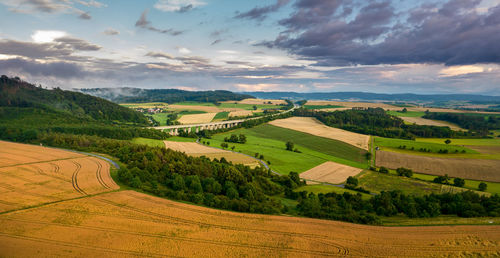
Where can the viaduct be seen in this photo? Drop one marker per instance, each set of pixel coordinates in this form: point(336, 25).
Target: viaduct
point(174, 129)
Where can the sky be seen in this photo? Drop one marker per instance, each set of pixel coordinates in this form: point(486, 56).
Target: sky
point(382, 46)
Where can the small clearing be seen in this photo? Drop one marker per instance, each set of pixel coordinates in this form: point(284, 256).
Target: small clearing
point(312, 126)
point(330, 172)
point(197, 118)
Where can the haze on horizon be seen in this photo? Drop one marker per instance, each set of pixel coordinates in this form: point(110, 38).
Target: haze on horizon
point(382, 46)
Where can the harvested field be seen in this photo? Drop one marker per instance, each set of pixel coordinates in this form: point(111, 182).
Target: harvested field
point(241, 113)
point(423, 121)
point(330, 172)
point(312, 126)
point(477, 169)
point(197, 150)
point(197, 118)
point(349, 105)
point(57, 175)
point(261, 101)
point(129, 224)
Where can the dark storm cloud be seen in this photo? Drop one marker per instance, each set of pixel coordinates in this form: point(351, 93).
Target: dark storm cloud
point(145, 24)
point(452, 33)
point(260, 13)
point(63, 70)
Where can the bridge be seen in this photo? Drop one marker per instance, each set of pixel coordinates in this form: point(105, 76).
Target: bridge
point(175, 129)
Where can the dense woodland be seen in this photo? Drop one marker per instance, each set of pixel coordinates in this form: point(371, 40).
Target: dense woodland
point(135, 95)
point(375, 121)
point(479, 123)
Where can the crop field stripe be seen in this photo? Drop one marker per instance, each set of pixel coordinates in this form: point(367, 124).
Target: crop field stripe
point(98, 174)
point(15, 189)
point(190, 222)
point(189, 239)
point(74, 178)
point(69, 244)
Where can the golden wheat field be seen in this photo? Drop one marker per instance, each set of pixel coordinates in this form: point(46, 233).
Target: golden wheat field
point(131, 224)
point(330, 172)
point(312, 126)
point(261, 101)
point(40, 175)
point(209, 109)
point(478, 169)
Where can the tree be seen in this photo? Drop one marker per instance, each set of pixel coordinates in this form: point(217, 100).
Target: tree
point(352, 181)
point(178, 183)
point(289, 146)
point(404, 172)
point(448, 141)
point(458, 182)
point(482, 186)
point(254, 107)
point(404, 110)
point(442, 179)
point(383, 170)
point(242, 138)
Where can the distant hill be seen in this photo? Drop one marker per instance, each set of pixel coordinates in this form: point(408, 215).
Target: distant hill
point(376, 96)
point(135, 95)
point(22, 101)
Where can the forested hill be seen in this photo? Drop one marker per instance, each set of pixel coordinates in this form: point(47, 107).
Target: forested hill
point(134, 95)
point(19, 99)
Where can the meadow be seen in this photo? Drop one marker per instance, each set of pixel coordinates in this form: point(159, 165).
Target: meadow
point(414, 147)
point(406, 114)
point(270, 141)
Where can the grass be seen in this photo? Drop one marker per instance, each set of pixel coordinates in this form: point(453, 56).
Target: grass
point(149, 142)
point(377, 182)
point(221, 116)
point(261, 139)
point(328, 189)
point(324, 145)
point(479, 142)
point(191, 112)
point(162, 118)
point(493, 187)
point(442, 220)
point(181, 139)
point(321, 106)
point(406, 114)
point(393, 145)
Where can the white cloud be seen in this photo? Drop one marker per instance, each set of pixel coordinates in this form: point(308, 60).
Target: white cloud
point(176, 5)
point(460, 70)
point(47, 36)
point(258, 86)
point(183, 50)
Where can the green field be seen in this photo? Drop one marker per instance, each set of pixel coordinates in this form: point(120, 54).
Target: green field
point(221, 116)
point(478, 142)
point(440, 220)
point(406, 114)
point(377, 182)
point(393, 145)
point(149, 142)
point(181, 139)
point(328, 189)
point(493, 188)
point(321, 106)
point(270, 141)
point(162, 118)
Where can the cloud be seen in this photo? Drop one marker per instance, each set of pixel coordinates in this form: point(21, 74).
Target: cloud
point(452, 33)
point(52, 6)
point(216, 42)
point(85, 16)
point(180, 6)
point(183, 50)
point(46, 36)
point(460, 70)
point(193, 61)
point(145, 24)
point(110, 32)
point(260, 13)
point(57, 69)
